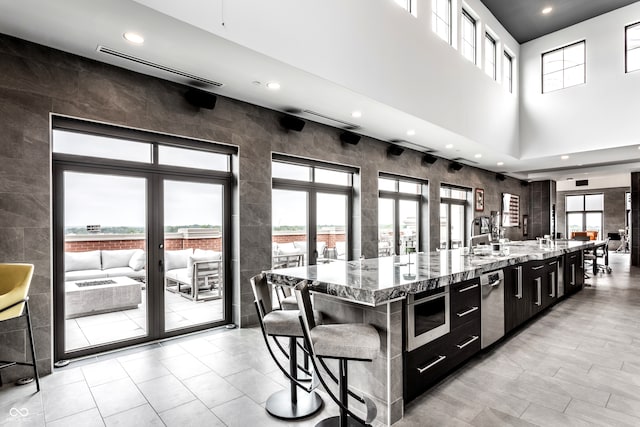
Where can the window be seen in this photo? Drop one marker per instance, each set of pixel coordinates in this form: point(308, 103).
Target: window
point(632, 47)
point(454, 207)
point(564, 67)
point(584, 213)
point(441, 19)
point(408, 5)
point(490, 55)
point(400, 207)
point(468, 36)
point(507, 71)
point(311, 202)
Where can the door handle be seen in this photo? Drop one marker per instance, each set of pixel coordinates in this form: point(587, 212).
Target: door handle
point(539, 289)
point(519, 282)
point(552, 294)
point(573, 274)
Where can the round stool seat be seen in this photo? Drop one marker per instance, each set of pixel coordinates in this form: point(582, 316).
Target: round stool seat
point(286, 322)
point(346, 341)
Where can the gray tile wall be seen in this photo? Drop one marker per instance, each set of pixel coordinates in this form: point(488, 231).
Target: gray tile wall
point(37, 81)
point(614, 210)
point(543, 195)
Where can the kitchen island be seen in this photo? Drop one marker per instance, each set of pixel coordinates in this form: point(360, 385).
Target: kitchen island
point(374, 291)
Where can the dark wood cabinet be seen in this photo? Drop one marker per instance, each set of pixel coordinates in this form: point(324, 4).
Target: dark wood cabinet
point(550, 289)
point(430, 363)
point(517, 297)
point(536, 281)
point(573, 272)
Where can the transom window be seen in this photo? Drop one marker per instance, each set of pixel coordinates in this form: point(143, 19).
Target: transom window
point(632, 47)
point(441, 19)
point(507, 71)
point(490, 56)
point(468, 36)
point(564, 67)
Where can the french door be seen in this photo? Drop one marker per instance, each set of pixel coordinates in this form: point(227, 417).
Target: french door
point(140, 246)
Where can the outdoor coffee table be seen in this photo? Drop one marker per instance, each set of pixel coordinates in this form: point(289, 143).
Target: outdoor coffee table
point(104, 295)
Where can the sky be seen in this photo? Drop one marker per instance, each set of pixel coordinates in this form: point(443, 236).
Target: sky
point(109, 200)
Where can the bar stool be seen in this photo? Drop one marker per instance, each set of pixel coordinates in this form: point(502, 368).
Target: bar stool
point(344, 342)
point(285, 404)
point(15, 280)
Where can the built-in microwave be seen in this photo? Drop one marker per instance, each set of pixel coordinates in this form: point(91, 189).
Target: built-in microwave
point(427, 317)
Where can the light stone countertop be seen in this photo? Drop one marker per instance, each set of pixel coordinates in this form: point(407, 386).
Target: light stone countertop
point(377, 281)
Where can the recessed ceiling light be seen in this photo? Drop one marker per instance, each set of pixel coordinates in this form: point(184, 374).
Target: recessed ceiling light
point(356, 114)
point(547, 10)
point(565, 157)
point(477, 156)
point(273, 85)
point(500, 163)
point(411, 132)
point(134, 38)
point(448, 146)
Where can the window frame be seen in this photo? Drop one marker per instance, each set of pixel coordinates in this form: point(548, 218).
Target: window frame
point(584, 212)
point(488, 37)
point(467, 17)
point(397, 196)
point(626, 47)
point(451, 201)
point(312, 188)
point(563, 69)
point(435, 18)
point(508, 80)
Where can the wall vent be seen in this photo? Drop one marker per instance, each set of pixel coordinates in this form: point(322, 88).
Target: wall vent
point(191, 77)
point(582, 182)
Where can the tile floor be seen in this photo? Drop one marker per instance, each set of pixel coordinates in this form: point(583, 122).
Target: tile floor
point(180, 312)
point(577, 365)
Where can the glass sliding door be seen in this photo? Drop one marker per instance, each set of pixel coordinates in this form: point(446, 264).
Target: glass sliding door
point(104, 264)
point(386, 227)
point(408, 222)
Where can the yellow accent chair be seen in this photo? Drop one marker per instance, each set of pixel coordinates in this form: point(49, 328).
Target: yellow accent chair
point(15, 280)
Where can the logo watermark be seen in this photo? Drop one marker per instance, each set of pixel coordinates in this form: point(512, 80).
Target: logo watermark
point(19, 412)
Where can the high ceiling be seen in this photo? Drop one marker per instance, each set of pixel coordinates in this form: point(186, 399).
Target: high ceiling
point(79, 26)
point(524, 19)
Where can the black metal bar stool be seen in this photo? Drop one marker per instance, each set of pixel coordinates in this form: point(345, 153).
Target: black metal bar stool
point(344, 342)
point(285, 404)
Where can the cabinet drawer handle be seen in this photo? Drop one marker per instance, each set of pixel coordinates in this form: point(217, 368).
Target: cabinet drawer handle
point(553, 263)
point(473, 339)
point(432, 364)
point(464, 313)
point(538, 267)
point(468, 288)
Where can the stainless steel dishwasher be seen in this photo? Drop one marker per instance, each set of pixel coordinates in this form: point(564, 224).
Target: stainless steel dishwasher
point(491, 307)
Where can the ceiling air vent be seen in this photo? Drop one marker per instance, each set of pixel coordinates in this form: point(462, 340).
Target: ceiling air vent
point(338, 123)
point(582, 182)
point(160, 67)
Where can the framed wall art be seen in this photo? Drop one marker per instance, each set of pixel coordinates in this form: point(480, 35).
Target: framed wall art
point(479, 200)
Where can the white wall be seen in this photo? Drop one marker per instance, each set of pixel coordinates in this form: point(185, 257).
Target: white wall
point(377, 49)
point(602, 113)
